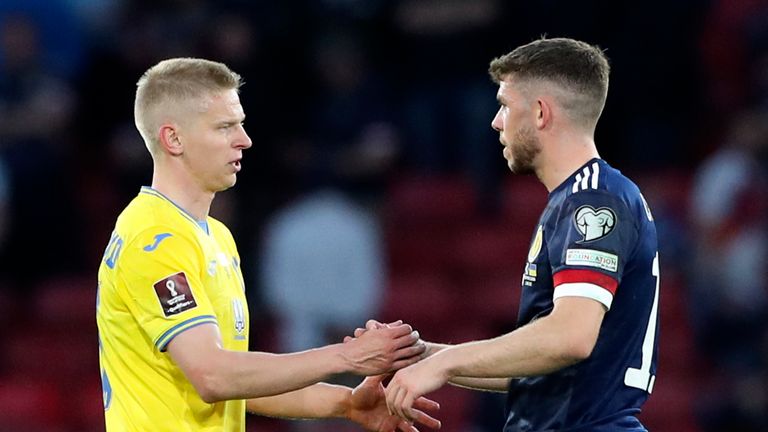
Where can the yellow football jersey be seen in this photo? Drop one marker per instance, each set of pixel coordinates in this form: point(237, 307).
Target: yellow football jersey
point(162, 273)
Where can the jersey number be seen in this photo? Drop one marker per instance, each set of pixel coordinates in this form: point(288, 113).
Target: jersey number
point(642, 378)
point(113, 250)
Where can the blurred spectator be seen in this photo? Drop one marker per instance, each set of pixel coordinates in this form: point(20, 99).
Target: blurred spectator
point(36, 110)
point(729, 286)
point(322, 266)
point(323, 274)
point(322, 269)
point(245, 42)
point(443, 51)
point(5, 208)
point(733, 39)
point(354, 141)
point(60, 46)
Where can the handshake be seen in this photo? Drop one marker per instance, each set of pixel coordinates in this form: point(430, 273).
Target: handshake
point(380, 351)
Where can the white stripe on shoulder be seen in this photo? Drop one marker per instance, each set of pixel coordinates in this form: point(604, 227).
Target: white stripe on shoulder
point(588, 178)
point(583, 289)
point(576, 183)
point(595, 174)
point(585, 180)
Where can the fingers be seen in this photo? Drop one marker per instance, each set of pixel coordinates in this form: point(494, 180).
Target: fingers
point(372, 324)
point(405, 426)
point(423, 403)
point(405, 337)
point(425, 419)
point(404, 363)
point(399, 331)
point(412, 350)
point(400, 402)
point(395, 401)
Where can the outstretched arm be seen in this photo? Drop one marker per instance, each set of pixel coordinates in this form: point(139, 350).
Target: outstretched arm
point(564, 337)
point(483, 384)
point(219, 374)
point(364, 405)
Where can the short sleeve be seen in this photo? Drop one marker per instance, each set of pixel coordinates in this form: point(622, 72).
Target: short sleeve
point(161, 284)
point(593, 238)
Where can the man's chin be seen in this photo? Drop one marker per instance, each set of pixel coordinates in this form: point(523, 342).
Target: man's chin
point(521, 170)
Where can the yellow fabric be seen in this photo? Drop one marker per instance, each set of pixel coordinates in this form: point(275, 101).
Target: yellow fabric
point(162, 274)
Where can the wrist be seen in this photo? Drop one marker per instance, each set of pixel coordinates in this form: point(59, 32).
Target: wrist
point(433, 348)
point(343, 406)
point(338, 360)
point(443, 363)
point(342, 360)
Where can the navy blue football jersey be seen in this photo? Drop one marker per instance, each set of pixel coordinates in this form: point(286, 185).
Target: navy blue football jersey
point(596, 238)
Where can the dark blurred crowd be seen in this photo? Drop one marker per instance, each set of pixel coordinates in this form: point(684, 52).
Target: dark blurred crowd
point(345, 97)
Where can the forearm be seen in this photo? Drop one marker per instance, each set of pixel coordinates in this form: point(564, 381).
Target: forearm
point(320, 400)
point(536, 349)
point(485, 384)
point(219, 374)
point(244, 375)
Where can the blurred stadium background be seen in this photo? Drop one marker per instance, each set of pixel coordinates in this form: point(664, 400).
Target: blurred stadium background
point(375, 186)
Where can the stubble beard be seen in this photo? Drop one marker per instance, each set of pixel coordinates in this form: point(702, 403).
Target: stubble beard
point(525, 147)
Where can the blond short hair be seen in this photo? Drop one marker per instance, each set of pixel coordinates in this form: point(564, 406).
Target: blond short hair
point(173, 83)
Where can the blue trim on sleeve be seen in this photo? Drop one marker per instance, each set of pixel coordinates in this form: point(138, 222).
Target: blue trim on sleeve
point(165, 338)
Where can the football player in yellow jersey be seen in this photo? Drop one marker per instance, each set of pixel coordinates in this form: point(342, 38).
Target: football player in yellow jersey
point(171, 310)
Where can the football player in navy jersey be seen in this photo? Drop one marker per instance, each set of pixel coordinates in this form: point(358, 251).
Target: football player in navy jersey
point(583, 356)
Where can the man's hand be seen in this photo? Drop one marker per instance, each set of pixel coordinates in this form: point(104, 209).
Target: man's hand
point(368, 408)
point(410, 384)
point(431, 347)
point(383, 349)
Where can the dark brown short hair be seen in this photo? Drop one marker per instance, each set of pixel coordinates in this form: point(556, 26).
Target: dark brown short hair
point(577, 67)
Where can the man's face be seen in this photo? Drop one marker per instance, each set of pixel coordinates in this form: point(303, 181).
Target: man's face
point(517, 133)
point(214, 140)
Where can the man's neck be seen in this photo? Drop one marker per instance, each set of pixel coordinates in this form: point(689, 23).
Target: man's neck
point(184, 192)
point(563, 157)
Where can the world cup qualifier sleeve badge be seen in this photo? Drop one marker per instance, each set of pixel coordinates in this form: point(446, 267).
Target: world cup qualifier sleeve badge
point(174, 294)
point(594, 224)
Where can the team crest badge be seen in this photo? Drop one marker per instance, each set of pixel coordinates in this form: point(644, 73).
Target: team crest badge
point(533, 252)
point(238, 311)
point(594, 223)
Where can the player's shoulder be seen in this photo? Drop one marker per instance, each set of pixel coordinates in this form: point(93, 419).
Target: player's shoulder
point(219, 230)
point(595, 186)
point(598, 175)
point(597, 179)
point(149, 218)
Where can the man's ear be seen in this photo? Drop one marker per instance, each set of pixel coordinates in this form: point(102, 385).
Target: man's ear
point(543, 113)
point(170, 141)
